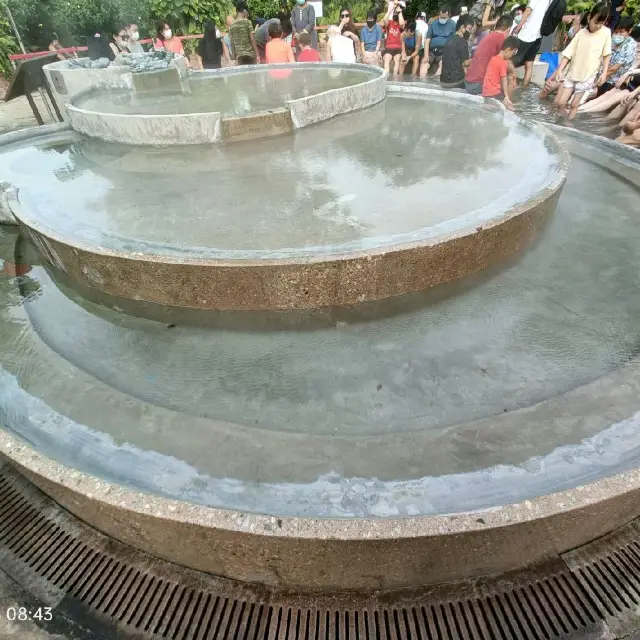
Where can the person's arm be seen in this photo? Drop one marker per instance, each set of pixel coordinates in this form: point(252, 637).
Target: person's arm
point(362, 49)
point(290, 56)
point(254, 44)
point(114, 48)
point(353, 36)
point(200, 63)
point(311, 20)
point(605, 68)
point(504, 85)
point(486, 23)
point(328, 51)
point(404, 50)
point(416, 51)
point(523, 21)
point(631, 96)
point(225, 51)
point(401, 20)
point(427, 41)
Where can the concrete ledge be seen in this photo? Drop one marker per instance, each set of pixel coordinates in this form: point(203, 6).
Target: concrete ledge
point(186, 128)
point(337, 554)
point(323, 106)
point(259, 125)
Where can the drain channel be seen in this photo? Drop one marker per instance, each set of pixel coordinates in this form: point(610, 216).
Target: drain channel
point(117, 592)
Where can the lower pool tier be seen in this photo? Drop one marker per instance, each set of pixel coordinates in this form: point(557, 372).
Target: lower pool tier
point(494, 389)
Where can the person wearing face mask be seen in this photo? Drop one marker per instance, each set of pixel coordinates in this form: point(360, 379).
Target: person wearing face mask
point(394, 24)
point(371, 41)
point(166, 40)
point(119, 43)
point(133, 43)
point(439, 33)
point(455, 57)
point(588, 52)
point(517, 12)
point(211, 48)
point(303, 20)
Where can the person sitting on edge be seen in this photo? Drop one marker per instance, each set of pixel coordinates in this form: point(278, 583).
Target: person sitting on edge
point(495, 83)
point(490, 46)
point(277, 50)
point(307, 52)
point(243, 40)
point(455, 58)
point(586, 54)
point(393, 25)
point(371, 41)
point(439, 32)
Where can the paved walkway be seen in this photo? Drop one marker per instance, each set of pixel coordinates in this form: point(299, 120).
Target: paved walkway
point(17, 114)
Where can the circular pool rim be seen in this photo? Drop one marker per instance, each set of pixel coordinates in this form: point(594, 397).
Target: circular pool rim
point(468, 244)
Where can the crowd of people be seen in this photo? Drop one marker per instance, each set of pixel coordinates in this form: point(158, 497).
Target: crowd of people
point(477, 50)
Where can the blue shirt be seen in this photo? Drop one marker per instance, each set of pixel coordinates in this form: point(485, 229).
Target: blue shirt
point(440, 33)
point(371, 37)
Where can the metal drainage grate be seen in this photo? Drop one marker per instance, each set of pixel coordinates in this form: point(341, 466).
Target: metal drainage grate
point(117, 592)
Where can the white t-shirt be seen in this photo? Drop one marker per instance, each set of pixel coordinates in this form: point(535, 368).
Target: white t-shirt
point(422, 27)
point(531, 30)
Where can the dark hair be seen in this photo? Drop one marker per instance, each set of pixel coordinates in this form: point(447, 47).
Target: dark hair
point(600, 12)
point(444, 8)
point(625, 24)
point(210, 48)
point(160, 25)
point(411, 26)
point(241, 6)
point(286, 26)
point(304, 39)
point(584, 19)
point(504, 22)
point(635, 34)
point(510, 42)
point(465, 21)
point(519, 7)
point(349, 26)
point(371, 15)
point(275, 30)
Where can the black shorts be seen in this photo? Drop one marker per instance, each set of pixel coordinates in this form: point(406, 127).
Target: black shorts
point(392, 52)
point(527, 52)
point(245, 60)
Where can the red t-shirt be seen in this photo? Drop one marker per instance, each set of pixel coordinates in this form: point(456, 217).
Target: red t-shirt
point(489, 46)
point(394, 36)
point(309, 55)
point(496, 69)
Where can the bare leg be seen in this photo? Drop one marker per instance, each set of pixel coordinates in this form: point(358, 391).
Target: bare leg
point(416, 64)
point(550, 86)
point(619, 112)
point(605, 102)
point(396, 64)
point(563, 97)
point(528, 72)
point(575, 103)
point(387, 62)
point(631, 134)
point(632, 115)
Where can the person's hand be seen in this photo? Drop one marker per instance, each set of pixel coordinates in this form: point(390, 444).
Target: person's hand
point(627, 99)
point(508, 104)
point(344, 22)
point(622, 81)
point(516, 31)
point(602, 78)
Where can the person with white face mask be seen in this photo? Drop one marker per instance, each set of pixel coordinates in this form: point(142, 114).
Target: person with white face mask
point(134, 36)
point(166, 40)
point(303, 20)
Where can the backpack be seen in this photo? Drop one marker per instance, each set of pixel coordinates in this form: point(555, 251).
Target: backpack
point(553, 17)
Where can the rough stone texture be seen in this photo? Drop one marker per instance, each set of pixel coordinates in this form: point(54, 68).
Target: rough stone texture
point(338, 554)
point(271, 123)
point(312, 109)
point(6, 217)
point(188, 128)
point(287, 284)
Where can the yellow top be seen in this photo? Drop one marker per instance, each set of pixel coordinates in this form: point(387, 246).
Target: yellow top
point(586, 51)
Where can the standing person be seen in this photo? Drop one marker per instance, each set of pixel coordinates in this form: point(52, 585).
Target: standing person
point(489, 47)
point(393, 24)
point(307, 52)
point(166, 40)
point(586, 54)
point(339, 47)
point(439, 32)
point(495, 84)
point(517, 12)
point(485, 13)
point(227, 39)
point(371, 41)
point(455, 58)
point(243, 40)
point(528, 32)
point(212, 49)
point(262, 36)
point(303, 20)
point(277, 50)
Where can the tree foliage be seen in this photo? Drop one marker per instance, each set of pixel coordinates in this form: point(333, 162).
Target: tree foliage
point(8, 45)
point(189, 16)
